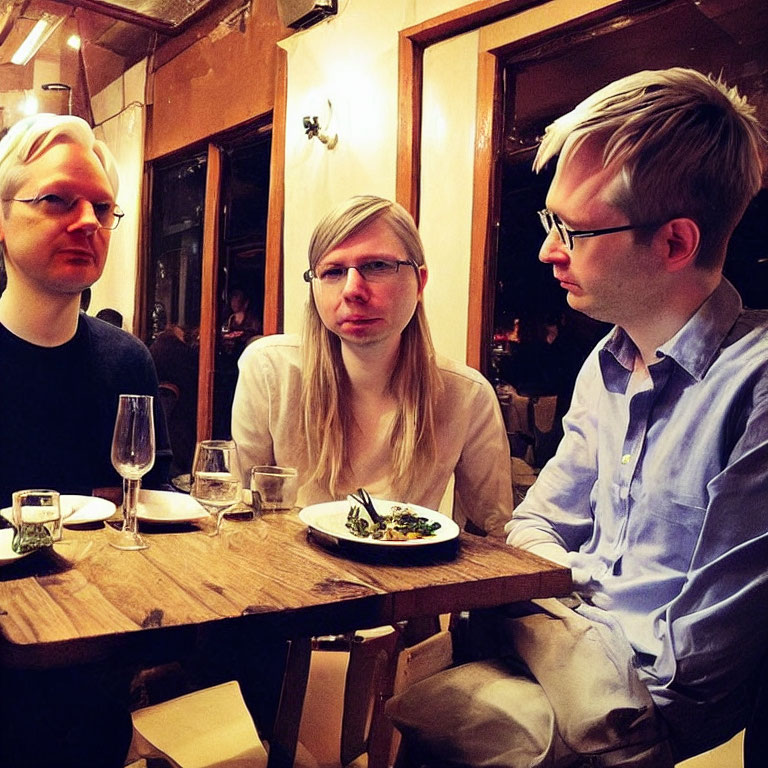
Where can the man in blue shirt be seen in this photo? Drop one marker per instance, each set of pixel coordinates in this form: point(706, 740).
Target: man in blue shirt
point(657, 497)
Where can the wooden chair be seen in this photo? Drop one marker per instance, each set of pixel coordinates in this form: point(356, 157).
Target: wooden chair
point(351, 678)
point(203, 729)
point(728, 755)
point(212, 727)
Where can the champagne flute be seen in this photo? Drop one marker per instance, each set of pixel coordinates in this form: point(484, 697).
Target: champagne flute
point(216, 479)
point(133, 455)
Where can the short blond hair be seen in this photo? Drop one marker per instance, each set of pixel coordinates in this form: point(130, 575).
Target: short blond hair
point(685, 145)
point(29, 138)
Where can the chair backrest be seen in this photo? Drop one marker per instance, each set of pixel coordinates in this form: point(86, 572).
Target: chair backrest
point(342, 721)
point(368, 685)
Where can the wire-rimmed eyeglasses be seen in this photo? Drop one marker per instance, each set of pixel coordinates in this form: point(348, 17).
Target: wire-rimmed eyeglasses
point(107, 214)
point(567, 235)
point(373, 271)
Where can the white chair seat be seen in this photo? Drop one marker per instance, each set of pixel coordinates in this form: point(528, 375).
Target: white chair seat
point(205, 729)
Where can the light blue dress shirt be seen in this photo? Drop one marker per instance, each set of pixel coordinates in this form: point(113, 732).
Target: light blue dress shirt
point(659, 501)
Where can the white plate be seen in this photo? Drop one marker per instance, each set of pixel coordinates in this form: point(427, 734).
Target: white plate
point(7, 555)
point(330, 518)
point(79, 510)
point(168, 507)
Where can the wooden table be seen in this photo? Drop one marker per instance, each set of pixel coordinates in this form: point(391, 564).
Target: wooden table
point(89, 601)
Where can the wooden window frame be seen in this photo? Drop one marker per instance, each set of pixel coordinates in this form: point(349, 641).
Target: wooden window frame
point(494, 48)
point(273, 304)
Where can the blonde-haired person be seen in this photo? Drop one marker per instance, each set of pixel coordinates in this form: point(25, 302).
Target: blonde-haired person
point(62, 370)
point(362, 400)
point(60, 376)
point(657, 497)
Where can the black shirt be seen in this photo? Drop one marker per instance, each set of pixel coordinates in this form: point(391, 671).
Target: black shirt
point(58, 406)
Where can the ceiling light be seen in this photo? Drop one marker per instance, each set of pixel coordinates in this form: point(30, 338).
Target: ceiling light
point(42, 30)
point(73, 41)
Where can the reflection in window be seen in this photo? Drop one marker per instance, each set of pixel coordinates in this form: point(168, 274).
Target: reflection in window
point(173, 297)
point(178, 203)
point(242, 248)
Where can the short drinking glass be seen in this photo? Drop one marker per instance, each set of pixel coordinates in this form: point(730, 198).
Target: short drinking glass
point(274, 487)
point(36, 518)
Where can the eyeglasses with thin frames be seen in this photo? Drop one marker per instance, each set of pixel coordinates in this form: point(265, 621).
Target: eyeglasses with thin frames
point(55, 206)
point(373, 271)
point(567, 235)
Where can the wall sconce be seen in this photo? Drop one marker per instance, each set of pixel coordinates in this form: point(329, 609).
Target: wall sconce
point(313, 130)
point(60, 87)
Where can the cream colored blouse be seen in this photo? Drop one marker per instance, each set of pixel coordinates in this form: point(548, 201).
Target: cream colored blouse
point(471, 438)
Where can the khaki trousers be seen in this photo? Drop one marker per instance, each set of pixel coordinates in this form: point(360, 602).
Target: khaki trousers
point(569, 696)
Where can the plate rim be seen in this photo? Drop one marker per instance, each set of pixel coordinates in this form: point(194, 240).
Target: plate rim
point(68, 520)
point(188, 517)
point(379, 543)
point(5, 560)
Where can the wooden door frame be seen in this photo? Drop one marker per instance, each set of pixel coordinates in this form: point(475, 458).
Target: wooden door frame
point(496, 43)
point(412, 44)
point(208, 299)
point(272, 313)
point(210, 253)
point(273, 263)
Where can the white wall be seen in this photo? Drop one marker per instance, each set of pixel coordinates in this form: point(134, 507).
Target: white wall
point(351, 59)
point(448, 146)
point(118, 112)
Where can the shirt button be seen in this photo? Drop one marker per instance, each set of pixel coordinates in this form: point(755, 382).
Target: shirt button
point(626, 458)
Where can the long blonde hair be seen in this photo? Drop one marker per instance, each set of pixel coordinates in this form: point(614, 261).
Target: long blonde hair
point(415, 382)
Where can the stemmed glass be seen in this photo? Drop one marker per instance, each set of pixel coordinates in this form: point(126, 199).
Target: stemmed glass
point(133, 455)
point(216, 479)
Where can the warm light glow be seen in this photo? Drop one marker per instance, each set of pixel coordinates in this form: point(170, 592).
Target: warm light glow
point(30, 105)
point(37, 36)
point(73, 41)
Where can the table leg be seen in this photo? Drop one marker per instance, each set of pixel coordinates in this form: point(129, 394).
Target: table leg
point(285, 734)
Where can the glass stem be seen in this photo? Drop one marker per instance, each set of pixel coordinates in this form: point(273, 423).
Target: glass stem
point(130, 501)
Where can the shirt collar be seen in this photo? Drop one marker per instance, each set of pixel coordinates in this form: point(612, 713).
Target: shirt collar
point(697, 343)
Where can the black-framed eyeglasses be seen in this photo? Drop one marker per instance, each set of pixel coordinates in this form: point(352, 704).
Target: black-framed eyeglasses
point(567, 235)
point(373, 271)
point(107, 214)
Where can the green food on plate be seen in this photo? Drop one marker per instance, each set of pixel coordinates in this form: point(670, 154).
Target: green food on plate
point(401, 525)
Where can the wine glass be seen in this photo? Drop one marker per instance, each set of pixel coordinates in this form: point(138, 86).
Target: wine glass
point(216, 479)
point(133, 455)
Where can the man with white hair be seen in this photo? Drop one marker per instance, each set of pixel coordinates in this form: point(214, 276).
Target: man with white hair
point(657, 497)
point(61, 371)
point(60, 376)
